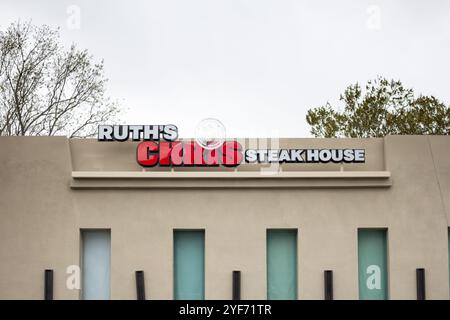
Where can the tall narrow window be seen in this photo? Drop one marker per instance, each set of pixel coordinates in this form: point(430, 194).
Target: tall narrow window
point(96, 262)
point(281, 264)
point(372, 264)
point(189, 264)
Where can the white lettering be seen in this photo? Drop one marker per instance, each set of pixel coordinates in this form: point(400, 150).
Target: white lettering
point(73, 280)
point(105, 133)
point(374, 280)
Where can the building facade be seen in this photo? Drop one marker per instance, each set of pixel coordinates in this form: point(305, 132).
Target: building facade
point(88, 211)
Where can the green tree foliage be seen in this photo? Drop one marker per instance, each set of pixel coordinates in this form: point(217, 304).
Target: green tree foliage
point(383, 108)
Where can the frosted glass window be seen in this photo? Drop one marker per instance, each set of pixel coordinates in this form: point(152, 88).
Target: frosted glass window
point(372, 264)
point(281, 264)
point(189, 265)
point(96, 264)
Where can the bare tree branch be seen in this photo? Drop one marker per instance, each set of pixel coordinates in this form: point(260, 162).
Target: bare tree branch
point(45, 90)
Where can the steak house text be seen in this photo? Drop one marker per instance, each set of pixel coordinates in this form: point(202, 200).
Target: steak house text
point(169, 152)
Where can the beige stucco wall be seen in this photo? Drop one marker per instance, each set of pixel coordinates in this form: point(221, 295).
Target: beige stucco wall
point(41, 217)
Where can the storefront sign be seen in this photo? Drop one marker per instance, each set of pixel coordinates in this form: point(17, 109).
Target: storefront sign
point(159, 146)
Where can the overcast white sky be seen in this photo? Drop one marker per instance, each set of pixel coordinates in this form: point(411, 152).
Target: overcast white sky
point(256, 65)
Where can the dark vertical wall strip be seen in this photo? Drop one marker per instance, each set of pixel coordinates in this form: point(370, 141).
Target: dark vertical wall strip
point(236, 285)
point(140, 285)
point(48, 284)
point(420, 279)
point(328, 284)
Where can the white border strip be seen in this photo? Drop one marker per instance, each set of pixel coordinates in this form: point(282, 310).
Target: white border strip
point(229, 174)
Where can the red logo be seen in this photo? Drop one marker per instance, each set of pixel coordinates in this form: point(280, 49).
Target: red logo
point(189, 153)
